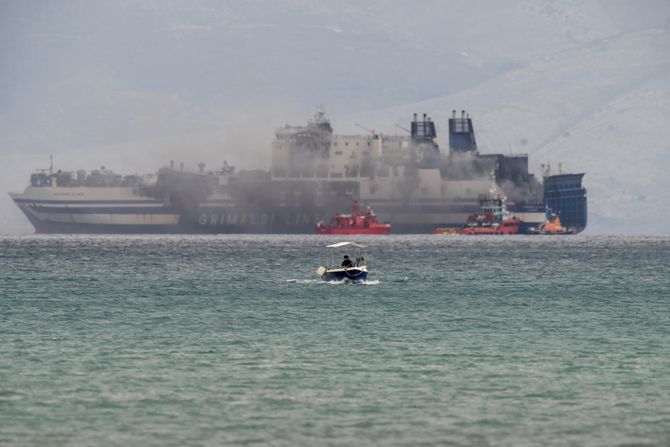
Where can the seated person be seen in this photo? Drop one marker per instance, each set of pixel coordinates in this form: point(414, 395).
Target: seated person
point(347, 262)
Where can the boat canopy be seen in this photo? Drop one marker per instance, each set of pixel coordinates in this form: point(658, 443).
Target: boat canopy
point(344, 244)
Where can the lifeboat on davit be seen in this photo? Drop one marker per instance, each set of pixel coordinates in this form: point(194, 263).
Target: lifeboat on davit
point(358, 222)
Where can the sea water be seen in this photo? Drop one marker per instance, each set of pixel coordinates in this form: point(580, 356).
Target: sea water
point(233, 340)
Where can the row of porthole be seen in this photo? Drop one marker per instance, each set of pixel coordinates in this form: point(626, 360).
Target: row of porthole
point(346, 143)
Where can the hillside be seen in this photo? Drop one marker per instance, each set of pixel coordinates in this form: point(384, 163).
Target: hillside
point(603, 109)
point(132, 85)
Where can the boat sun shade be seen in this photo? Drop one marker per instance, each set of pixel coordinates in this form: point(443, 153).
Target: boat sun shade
point(344, 244)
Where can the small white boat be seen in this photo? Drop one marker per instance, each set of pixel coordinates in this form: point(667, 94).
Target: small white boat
point(350, 270)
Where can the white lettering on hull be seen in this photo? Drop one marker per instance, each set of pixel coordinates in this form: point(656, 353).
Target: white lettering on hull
point(255, 220)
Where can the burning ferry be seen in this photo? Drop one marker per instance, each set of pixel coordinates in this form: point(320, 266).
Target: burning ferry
point(408, 179)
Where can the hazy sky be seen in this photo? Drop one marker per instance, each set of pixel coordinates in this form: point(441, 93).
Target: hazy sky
point(132, 84)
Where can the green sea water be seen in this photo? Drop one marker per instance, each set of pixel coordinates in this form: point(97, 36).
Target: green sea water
point(232, 340)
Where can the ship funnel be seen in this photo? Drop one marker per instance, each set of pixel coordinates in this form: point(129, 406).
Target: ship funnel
point(461, 133)
point(423, 131)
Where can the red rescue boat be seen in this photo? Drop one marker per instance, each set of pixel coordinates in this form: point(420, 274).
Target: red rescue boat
point(358, 222)
point(493, 218)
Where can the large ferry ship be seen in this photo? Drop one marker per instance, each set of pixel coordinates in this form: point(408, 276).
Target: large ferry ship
point(409, 181)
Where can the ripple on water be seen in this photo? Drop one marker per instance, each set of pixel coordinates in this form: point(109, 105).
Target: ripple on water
point(203, 339)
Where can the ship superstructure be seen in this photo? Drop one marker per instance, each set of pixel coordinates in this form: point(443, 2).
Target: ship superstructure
point(314, 173)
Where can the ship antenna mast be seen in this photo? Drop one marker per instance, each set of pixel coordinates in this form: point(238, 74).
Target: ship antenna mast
point(51, 165)
point(366, 129)
point(493, 190)
point(320, 114)
point(403, 128)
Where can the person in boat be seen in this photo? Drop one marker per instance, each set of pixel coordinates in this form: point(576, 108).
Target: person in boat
point(347, 262)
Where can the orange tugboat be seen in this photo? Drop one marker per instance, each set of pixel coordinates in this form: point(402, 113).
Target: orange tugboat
point(552, 226)
point(358, 222)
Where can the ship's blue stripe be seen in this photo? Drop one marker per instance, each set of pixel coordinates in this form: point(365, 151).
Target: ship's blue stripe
point(104, 210)
point(422, 205)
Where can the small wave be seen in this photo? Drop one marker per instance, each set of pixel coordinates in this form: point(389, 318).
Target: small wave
point(367, 282)
point(10, 395)
point(372, 282)
point(303, 281)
